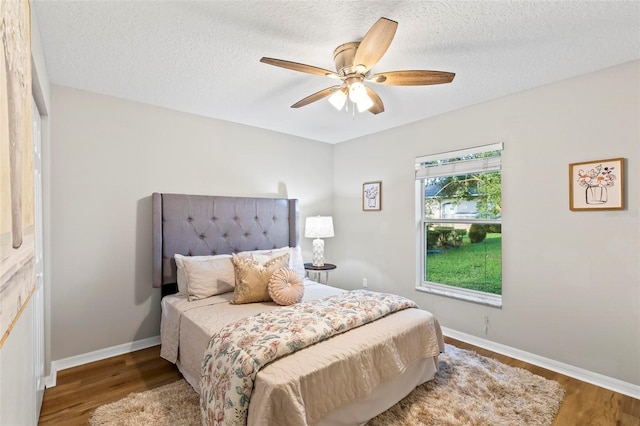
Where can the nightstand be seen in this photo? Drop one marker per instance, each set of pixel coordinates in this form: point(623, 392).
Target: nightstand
point(318, 270)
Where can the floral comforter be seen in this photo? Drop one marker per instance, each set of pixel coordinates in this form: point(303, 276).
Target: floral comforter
point(239, 350)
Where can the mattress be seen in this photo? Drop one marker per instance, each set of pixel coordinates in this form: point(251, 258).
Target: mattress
point(347, 379)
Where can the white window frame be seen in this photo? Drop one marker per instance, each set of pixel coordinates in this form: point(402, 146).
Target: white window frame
point(448, 169)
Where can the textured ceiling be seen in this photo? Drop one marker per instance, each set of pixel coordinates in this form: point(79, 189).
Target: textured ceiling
point(203, 57)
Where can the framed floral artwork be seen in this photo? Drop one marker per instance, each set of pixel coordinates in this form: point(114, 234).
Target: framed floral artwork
point(372, 196)
point(596, 185)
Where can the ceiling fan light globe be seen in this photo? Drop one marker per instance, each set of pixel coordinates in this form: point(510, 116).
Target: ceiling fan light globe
point(357, 92)
point(338, 99)
point(364, 104)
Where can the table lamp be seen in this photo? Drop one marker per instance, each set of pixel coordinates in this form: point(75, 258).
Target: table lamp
point(318, 227)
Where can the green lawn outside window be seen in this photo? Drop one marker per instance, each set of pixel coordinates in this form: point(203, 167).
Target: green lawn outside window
point(475, 266)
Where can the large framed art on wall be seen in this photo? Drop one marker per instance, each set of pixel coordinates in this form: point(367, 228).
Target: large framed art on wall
point(17, 224)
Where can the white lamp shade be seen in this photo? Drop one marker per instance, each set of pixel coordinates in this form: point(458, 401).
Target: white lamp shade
point(364, 104)
point(318, 227)
point(357, 92)
point(338, 99)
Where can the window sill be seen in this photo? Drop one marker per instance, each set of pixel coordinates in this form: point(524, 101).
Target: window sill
point(488, 299)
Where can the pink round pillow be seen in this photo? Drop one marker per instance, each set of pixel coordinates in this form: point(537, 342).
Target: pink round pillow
point(286, 287)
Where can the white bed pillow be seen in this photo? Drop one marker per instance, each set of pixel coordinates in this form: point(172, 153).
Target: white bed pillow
point(182, 278)
point(208, 277)
point(296, 262)
point(259, 255)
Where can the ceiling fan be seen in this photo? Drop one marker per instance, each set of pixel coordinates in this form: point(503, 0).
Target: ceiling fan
point(354, 62)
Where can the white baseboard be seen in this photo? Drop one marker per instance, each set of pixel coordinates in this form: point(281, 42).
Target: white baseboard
point(74, 361)
point(550, 364)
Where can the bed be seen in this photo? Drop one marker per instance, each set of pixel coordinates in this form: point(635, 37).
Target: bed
point(344, 380)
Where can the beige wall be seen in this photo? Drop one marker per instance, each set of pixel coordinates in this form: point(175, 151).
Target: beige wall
point(571, 280)
point(108, 156)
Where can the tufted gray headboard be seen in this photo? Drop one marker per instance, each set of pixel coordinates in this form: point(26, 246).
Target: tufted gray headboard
point(202, 225)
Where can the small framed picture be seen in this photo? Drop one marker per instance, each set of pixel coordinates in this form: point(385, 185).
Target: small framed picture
point(596, 185)
point(372, 196)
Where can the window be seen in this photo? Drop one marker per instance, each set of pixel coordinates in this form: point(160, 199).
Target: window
point(458, 198)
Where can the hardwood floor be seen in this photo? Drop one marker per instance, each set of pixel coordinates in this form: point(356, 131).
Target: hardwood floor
point(81, 390)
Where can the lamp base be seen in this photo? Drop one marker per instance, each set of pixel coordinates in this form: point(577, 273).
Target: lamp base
point(318, 252)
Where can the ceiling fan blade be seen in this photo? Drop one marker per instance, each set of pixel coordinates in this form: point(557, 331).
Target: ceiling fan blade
point(412, 78)
point(316, 96)
point(378, 106)
point(375, 43)
point(295, 66)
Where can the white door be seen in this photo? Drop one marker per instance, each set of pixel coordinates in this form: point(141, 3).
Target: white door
point(38, 306)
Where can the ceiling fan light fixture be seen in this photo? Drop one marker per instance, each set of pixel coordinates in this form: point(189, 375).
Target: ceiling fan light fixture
point(357, 92)
point(364, 104)
point(338, 99)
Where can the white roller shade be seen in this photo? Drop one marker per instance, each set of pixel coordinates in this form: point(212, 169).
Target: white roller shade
point(461, 167)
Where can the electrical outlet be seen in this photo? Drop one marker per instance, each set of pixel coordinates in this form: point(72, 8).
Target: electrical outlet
point(365, 284)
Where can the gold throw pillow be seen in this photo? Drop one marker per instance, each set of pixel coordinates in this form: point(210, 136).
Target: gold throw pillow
point(252, 278)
